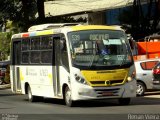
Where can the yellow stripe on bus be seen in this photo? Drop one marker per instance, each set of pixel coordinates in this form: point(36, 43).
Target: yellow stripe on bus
point(45, 32)
point(94, 27)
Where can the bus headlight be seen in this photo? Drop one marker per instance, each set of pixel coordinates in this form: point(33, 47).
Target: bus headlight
point(80, 79)
point(129, 79)
point(133, 76)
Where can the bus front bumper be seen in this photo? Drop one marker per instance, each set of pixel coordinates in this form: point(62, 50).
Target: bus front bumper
point(84, 92)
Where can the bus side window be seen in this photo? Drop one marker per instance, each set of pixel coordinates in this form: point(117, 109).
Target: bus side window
point(35, 57)
point(25, 58)
point(64, 54)
point(16, 58)
point(35, 50)
point(25, 44)
point(35, 43)
point(63, 44)
point(46, 49)
point(25, 47)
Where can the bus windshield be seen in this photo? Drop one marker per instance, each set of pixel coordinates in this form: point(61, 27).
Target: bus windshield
point(99, 48)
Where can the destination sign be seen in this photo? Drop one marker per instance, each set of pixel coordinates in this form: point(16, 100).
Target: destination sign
point(99, 36)
point(94, 37)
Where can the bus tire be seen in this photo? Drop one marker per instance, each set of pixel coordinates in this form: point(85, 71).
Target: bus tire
point(31, 98)
point(67, 97)
point(124, 101)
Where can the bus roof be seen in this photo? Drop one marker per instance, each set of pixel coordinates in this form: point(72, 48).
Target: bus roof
point(68, 28)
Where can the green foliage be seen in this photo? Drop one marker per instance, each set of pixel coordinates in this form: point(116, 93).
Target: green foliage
point(5, 39)
point(20, 12)
point(8, 11)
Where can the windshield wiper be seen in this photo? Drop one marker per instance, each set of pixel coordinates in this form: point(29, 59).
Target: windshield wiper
point(92, 60)
point(93, 57)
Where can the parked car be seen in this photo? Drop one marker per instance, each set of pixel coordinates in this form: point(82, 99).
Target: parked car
point(156, 76)
point(144, 75)
point(3, 68)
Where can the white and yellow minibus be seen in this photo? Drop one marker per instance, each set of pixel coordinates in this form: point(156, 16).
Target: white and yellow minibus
point(73, 62)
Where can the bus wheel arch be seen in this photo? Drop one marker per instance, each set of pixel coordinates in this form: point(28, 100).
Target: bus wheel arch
point(26, 87)
point(67, 96)
point(28, 91)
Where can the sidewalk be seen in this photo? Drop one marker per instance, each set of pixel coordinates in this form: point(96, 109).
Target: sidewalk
point(5, 86)
point(154, 94)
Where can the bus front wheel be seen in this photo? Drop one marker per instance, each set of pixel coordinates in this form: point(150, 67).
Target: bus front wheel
point(67, 97)
point(31, 98)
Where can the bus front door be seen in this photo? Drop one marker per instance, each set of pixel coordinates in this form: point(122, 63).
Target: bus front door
point(56, 66)
point(61, 67)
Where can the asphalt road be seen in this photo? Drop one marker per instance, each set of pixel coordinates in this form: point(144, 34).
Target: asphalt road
point(16, 107)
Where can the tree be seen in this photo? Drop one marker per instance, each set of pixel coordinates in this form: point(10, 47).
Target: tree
point(40, 8)
point(27, 13)
point(5, 38)
point(22, 13)
point(7, 11)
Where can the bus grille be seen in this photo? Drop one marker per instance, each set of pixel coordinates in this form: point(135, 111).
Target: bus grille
point(107, 83)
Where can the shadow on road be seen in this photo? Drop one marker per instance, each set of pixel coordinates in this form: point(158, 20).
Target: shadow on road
point(143, 100)
point(2, 95)
point(85, 103)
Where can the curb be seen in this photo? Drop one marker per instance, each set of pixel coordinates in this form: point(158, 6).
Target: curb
point(5, 86)
point(154, 94)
